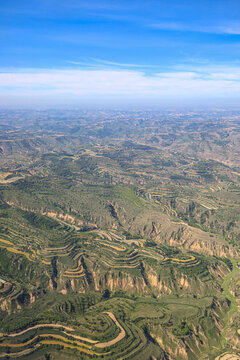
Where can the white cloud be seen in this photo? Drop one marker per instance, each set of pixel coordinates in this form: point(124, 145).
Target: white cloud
point(125, 83)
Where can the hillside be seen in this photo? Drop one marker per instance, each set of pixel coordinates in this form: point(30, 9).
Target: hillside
point(119, 235)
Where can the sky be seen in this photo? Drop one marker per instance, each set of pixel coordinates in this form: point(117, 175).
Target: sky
point(102, 52)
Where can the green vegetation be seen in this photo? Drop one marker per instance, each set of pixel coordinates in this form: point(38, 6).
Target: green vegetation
point(119, 239)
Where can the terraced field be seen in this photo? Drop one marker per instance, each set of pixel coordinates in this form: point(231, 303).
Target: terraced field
point(65, 341)
point(78, 259)
point(119, 236)
point(228, 356)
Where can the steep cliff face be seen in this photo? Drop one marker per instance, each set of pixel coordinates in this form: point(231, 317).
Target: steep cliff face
point(65, 217)
point(179, 234)
point(150, 224)
point(177, 281)
point(196, 240)
point(182, 284)
point(120, 280)
point(18, 301)
point(146, 279)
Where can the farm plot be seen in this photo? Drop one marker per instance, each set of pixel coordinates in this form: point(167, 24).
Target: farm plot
point(127, 260)
point(9, 246)
point(33, 337)
point(118, 257)
point(228, 356)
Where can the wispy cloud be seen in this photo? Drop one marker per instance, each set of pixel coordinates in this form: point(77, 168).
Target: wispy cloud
point(231, 29)
point(84, 64)
point(212, 71)
point(54, 8)
point(109, 64)
point(105, 62)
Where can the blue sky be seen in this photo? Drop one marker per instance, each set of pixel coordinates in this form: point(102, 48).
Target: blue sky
point(109, 52)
